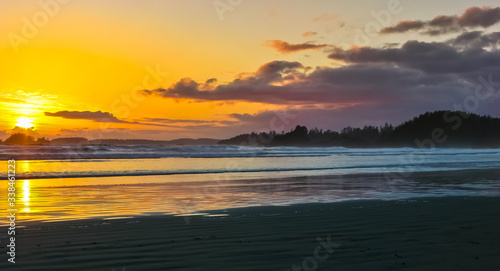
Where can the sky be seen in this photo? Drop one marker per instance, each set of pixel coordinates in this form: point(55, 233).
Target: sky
point(201, 68)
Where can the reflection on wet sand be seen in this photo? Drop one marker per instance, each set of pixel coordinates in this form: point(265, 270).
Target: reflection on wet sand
point(154, 195)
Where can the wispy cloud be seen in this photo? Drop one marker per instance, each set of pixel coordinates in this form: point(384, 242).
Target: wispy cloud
point(286, 48)
point(325, 17)
point(97, 116)
point(188, 121)
point(309, 34)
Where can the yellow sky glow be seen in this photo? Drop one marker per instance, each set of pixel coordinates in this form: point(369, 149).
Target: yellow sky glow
point(94, 56)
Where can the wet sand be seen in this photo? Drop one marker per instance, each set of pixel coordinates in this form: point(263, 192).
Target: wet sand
point(441, 233)
point(87, 198)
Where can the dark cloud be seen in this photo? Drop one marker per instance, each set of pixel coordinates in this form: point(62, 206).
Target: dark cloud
point(286, 48)
point(98, 116)
point(211, 81)
point(476, 39)
point(430, 57)
point(377, 85)
point(403, 26)
point(87, 115)
point(259, 83)
point(345, 86)
point(472, 17)
point(476, 16)
point(466, 37)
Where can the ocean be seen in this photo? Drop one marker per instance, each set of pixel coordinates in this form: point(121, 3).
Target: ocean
point(63, 182)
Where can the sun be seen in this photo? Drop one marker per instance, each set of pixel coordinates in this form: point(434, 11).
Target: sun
point(24, 122)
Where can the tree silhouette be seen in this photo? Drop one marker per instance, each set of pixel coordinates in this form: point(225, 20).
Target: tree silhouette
point(455, 129)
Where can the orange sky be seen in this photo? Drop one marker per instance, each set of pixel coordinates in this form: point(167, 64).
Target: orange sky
point(95, 56)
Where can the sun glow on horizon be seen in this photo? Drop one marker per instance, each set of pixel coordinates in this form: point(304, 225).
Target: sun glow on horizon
point(25, 122)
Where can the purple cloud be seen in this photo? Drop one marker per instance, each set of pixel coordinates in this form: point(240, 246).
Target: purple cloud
point(472, 17)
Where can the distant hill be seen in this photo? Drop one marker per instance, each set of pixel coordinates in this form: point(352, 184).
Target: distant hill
point(432, 129)
point(458, 129)
point(181, 141)
point(69, 140)
point(443, 129)
point(191, 141)
point(24, 139)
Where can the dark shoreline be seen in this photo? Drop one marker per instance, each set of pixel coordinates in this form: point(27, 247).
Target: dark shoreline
point(448, 233)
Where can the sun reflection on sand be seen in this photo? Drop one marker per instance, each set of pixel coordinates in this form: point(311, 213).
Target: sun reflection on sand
point(26, 196)
point(24, 165)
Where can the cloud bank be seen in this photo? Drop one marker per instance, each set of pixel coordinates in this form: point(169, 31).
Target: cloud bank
point(443, 24)
point(373, 85)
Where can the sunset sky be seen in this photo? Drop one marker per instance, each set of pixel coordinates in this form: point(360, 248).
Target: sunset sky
point(170, 69)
